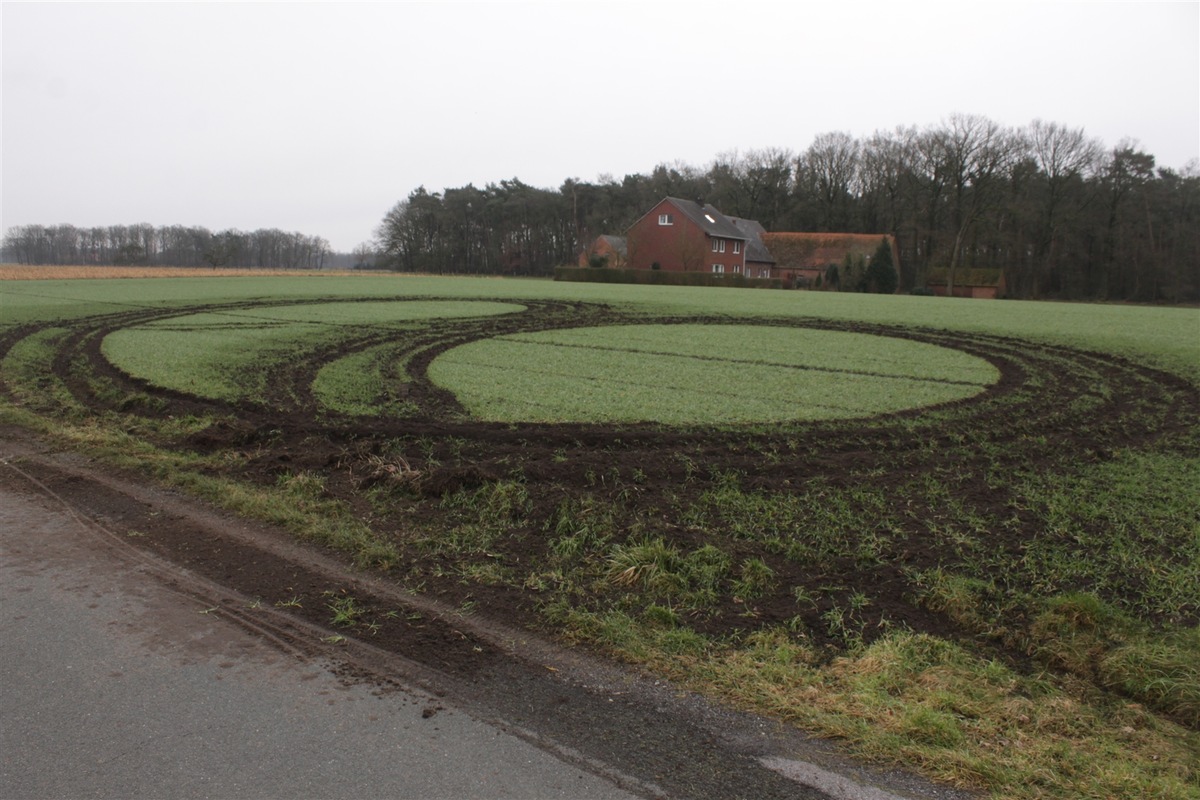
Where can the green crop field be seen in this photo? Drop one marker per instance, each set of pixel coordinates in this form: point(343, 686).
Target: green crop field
point(695, 374)
point(1166, 336)
point(213, 353)
point(962, 536)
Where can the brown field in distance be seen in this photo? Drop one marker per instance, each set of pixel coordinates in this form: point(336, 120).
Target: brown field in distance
point(25, 272)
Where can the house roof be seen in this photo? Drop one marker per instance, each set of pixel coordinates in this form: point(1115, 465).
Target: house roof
point(819, 250)
point(755, 249)
point(748, 226)
point(711, 221)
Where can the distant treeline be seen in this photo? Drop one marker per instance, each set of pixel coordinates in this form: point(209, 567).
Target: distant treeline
point(173, 246)
point(1060, 214)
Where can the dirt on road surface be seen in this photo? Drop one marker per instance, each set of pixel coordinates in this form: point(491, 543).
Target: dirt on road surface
point(631, 733)
point(115, 685)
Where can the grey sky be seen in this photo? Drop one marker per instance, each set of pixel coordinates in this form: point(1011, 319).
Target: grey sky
point(318, 117)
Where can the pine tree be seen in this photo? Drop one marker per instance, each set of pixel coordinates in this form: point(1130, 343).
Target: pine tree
point(881, 275)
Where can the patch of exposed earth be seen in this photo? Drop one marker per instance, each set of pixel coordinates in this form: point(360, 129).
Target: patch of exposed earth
point(1053, 408)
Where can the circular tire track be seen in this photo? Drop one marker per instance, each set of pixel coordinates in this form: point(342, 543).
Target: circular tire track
point(1053, 408)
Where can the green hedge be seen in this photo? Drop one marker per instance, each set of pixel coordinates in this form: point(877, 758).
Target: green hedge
point(660, 277)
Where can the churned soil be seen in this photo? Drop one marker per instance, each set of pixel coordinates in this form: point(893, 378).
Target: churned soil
point(1052, 409)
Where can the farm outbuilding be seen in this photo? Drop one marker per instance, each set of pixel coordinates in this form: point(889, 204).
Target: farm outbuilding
point(988, 284)
point(611, 249)
point(803, 258)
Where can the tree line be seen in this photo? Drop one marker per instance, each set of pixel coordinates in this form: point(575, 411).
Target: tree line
point(1059, 213)
point(173, 246)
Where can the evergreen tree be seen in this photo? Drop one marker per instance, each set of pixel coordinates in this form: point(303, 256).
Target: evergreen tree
point(881, 276)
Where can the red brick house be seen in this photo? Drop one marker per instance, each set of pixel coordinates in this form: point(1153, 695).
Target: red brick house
point(805, 257)
point(760, 263)
point(684, 236)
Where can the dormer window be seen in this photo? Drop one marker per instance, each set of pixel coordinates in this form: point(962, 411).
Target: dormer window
point(666, 219)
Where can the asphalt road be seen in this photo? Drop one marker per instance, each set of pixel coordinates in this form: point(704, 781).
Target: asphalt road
point(113, 685)
point(125, 675)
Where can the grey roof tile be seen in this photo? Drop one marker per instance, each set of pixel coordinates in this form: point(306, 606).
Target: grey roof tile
point(710, 220)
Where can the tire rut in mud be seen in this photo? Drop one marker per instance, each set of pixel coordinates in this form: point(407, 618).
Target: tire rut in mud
point(1052, 407)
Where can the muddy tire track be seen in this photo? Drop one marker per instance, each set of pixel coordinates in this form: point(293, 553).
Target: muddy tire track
point(1052, 408)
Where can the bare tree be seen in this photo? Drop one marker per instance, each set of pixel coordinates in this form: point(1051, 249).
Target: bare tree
point(690, 250)
point(754, 185)
point(829, 171)
point(930, 178)
point(1064, 157)
point(976, 153)
point(1123, 174)
point(885, 165)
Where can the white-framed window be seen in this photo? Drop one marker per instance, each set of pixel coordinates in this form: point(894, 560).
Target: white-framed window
point(722, 245)
point(737, 268)
point(666, 219)
point(719, 268)
point(714, 242)
point(737, 247)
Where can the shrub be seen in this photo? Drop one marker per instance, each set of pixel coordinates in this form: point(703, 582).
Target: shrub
point(880, 277)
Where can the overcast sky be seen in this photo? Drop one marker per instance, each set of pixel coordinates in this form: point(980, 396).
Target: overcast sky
point(318, 117)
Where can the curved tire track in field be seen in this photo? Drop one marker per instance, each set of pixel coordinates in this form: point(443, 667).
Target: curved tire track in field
point(1106, 385)
point(1052, 406)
